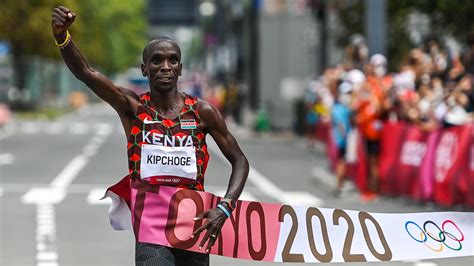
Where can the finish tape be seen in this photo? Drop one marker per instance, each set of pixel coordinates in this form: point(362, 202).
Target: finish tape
point(285, 233)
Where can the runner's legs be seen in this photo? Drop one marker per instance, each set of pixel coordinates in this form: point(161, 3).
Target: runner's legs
point(157, 255)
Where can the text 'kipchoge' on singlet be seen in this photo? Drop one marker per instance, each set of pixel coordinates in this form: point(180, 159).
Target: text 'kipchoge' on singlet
point(164, 151)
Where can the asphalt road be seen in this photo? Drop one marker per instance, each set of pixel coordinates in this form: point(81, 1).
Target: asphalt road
point(84, 152)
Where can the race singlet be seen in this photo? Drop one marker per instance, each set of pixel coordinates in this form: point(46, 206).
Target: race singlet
point(164, 161)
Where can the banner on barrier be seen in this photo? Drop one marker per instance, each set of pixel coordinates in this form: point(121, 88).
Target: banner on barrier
point(470, 198)
point(286, 233)
point(427, 165)
point(391, 144)
point(451, 166)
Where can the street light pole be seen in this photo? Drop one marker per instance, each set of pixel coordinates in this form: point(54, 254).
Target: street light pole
point(323, 31)
point(253, 56)
point(375, 26)
point(319, 10)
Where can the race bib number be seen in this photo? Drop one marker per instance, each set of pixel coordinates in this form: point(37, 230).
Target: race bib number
point(175, 161)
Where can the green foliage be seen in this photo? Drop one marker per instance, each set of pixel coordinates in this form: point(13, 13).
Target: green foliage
point(111, 34)
point(26, 25)
point(196, 47)
point(448, 17)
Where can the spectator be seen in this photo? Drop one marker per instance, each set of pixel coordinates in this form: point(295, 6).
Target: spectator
point(438, 58)
point(356, 53)
point(468, 57)
point(311, 117)
point(340, 128)
point(433, 88)
point(369, 108)
point(456, 103)
point(427, 101)
point(468, 89)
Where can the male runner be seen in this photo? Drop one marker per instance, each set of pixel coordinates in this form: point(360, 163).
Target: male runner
point(166, 132)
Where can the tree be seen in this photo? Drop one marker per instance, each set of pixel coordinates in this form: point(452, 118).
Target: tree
point(447, 17)
point(110, 33)
point(113, 33)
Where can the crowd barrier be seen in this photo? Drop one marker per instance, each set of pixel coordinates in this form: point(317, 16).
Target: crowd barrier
point(433, 166)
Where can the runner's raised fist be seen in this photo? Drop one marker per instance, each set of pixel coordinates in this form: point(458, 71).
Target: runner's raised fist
point(62, 19)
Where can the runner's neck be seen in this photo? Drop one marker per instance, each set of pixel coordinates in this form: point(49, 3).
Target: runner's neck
point(168, 105)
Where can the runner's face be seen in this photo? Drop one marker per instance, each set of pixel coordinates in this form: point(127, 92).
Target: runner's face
point(162, 66)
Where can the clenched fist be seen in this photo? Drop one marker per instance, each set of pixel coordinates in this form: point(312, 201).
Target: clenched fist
point(61, 20)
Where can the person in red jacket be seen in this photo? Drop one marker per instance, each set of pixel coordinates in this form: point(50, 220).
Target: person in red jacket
point(369, 116)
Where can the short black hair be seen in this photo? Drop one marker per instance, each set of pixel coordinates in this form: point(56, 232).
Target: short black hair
point(146, 50)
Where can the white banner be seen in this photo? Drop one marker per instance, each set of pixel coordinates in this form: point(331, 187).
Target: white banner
point(285, 233)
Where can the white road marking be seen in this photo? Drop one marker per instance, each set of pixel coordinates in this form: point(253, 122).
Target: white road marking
point(22, 188)
point(30, 128)
point(7, 130)
point(46, 235)
point(95, 195)
point(57, 127)
point(93, 191)
point(45, 198)
point(424, 263)
point(269, 188)
point(47, 264)
point(273, 191)
point(54, 128)
point(46, 195)
point(244, 196)
point(70, 172)
point(302, 198)
point(79, 128)
point(104, 129)
point(72, 169)
point(6, 158)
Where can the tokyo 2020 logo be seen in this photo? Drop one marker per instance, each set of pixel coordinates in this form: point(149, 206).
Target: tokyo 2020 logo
point(424, 234)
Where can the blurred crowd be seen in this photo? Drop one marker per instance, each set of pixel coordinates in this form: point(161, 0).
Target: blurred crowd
point(227, 95)
point(432, 88)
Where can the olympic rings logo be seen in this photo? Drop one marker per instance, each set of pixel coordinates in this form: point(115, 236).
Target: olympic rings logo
point(443, 237)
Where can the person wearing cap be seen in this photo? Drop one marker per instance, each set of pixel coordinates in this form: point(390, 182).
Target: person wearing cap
point(369, 109)
point(340, 128)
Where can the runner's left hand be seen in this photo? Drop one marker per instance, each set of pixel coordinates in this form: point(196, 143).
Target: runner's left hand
point(215, 218)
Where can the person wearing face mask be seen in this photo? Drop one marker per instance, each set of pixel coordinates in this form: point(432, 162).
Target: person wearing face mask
point(340, 128)
point(369, 115)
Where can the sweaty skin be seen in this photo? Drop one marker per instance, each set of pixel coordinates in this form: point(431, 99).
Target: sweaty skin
point(162, 66)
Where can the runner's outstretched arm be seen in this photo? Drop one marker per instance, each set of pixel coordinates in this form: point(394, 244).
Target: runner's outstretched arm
point(120, 99)
point(215, 125)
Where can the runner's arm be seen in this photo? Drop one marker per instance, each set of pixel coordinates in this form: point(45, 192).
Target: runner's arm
point(119, 98)
point(217, 128)
point(215, 125)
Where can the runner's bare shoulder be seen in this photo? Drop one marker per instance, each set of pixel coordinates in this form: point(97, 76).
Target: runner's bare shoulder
point(132, 100)
point(210, 116)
